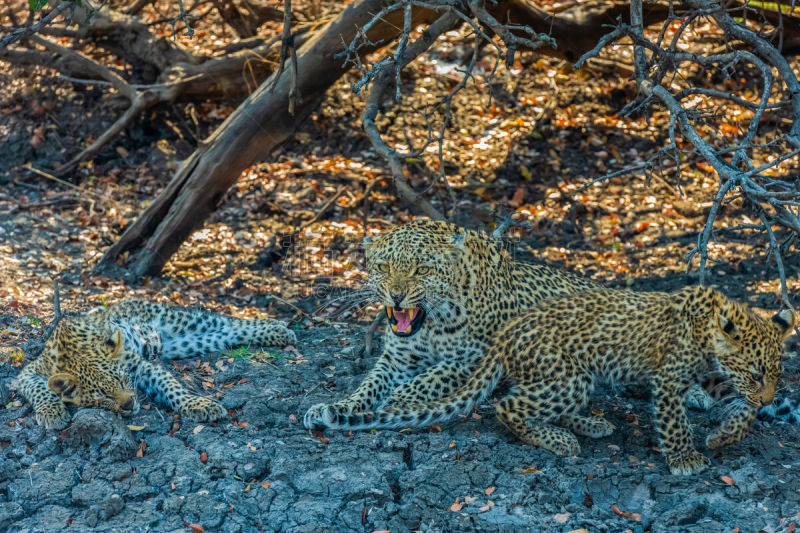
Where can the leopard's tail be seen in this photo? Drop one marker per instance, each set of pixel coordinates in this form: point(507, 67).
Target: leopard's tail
point(461, 402)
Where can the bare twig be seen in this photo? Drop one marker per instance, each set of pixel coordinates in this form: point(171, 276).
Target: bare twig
point(21, 33)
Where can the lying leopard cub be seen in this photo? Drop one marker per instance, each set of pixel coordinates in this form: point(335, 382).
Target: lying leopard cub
point(557, 352)
point(93, 360)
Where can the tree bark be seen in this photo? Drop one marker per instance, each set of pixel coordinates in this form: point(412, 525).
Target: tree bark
point(263, 122)
point(258, 126)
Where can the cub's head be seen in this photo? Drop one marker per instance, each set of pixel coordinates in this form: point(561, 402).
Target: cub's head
point(749, 347)
point(89, 371)
point(412, 271)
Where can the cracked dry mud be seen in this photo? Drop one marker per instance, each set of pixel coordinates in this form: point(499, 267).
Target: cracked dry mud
point(272, 475)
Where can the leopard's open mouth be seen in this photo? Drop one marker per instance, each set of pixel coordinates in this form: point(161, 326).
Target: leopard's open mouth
point(405, 322)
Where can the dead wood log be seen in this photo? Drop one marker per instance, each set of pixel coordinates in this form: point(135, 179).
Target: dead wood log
point(259, 125)
point(263, 122)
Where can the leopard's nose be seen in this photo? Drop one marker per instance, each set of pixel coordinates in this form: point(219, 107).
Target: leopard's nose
point(129, 404)
point(397, 297)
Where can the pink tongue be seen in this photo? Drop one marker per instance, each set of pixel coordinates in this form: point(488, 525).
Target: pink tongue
point(403, 318)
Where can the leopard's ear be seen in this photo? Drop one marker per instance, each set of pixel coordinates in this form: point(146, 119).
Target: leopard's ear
point(115, 343)
point(785, 320)
point(65, 385)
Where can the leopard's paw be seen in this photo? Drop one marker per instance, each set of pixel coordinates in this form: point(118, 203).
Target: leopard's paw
point(56, 418)
point(687, 463)
point(202, 409)
point(718, 438)
point(318, 417)
point(697, 398)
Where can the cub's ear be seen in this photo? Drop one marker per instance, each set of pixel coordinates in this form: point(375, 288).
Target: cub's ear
point(63, 384)
point(785, 320)
point(115, 343)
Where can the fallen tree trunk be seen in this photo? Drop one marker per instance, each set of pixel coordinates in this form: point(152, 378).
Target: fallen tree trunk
point(263, 122)
point(259, 125)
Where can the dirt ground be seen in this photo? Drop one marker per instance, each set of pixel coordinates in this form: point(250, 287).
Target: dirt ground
point(523, 141)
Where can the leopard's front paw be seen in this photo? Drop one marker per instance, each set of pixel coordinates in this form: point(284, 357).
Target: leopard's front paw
point(687, 463)
point(56, 418)
point(318, 417)
point(697, 398)
point(719, 438)
point(202, 409)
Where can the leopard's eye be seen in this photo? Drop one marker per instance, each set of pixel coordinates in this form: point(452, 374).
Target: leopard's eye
point(756, 374)
point(422, 270)
point(382, 267)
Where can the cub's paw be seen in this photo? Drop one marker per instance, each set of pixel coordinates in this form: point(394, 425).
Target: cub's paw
point(687, 463)
point(55, 418)
point(569, 446)
point(697, 398)
point(202, 409)
point(719, 438)
point(288, 337)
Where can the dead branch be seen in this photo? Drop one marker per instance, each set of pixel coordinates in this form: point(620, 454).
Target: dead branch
point(26, 31)
point(775, 201)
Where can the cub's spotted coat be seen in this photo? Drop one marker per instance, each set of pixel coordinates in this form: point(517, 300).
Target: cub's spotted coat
point(94, 360)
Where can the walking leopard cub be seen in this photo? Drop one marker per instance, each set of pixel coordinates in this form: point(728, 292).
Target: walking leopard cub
point(96, 359)
point(558, 351)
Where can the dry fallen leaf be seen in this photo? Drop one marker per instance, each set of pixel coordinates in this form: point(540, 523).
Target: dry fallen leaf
point(266, 484)
point(436, 429)
point(292, 417)
point(318, 436)
point(489, 491)
point(456, 506)
point(632, 516)
point(531, 470)
point(197, 528)
point(728, 480)
point(561, 518)
point(198, 429)
point(581, 530)
point(204, 457)
point(136, 428)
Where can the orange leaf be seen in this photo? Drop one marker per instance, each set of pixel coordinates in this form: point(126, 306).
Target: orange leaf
point(489, 491)
point(197, 528)
point(531, 470)
point(292, 417)
point(244, 424)
point(632, 516)
point(728, 480)
point(456, 506)
point(266, 484)
point(204, 457)
point(318, 436)
point(436, 429)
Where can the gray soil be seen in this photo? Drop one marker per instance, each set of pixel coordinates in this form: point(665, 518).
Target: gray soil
point(260, 470)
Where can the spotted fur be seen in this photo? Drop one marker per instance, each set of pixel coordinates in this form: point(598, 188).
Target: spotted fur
point(557, 352)
point(95, 360)
point(465, 286)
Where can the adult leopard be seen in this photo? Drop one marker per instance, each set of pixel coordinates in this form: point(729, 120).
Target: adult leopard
point(447, 291)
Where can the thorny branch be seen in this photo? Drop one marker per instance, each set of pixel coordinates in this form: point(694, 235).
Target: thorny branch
point(747, 172)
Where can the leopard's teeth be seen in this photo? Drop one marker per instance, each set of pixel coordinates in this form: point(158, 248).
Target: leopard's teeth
point(394, 328)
